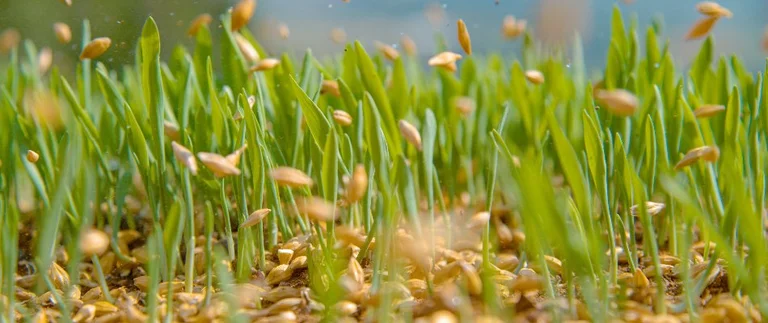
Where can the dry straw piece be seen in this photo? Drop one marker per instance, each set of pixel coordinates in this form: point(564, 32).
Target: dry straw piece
point(342, 118)
point(96, 48)
point(242, 13)
point(338, 35)
point(246, 48)
point(32, 156)
point(265, 64)
point(618, 102)
point(218, 164)
point(408, 45)
point(283, 31)
point(708, 110)
point(10, 38)
point(534, 76)
point(185, 157)
point(291, 177)
point(410, 133)
point(512, 28)
point(388, 51)
point(701, 28)
point(255, 218)
point(445, 60)
point(94, 242)
point(330, 87)
point(317, 209)
point(463, 34)
point(358, 184)
point(713, 9)
point(63, 32)
point(705, 153)
point(197, 23)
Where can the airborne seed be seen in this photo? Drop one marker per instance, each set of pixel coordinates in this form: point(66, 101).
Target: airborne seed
point(342, 118)
point(185, 157)
point(411, 135)
point(265, 64)
point(242, 13)
point(32, 156)
point(199, 22)
point(255, 218)
point(290, 177)
point(63, 32)
point(701, 28)
point(534, 77)
point(463, 34)
point(96, 48)
point(618, 102)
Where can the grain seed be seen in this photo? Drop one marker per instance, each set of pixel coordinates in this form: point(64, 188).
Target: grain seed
point(445, 60)
point(317, 209)
point(479, 220)
point(265, 64)
point(94, 242)
point(290, 177)
point(512, 28)
point(713, 9)
point(242, 13)
point(705, 153)
point(171, 130)
point(284, 256)
point(96, 48)
point(388, 51)
point(534, 77)
point(279, 274)
point(66, 2)
point(10, 38)
point(465, 105)
point(255, 218)
point(234, 157)
point(355, 271)
point(408, 45)
point(338, 35)
point(463, 34)
point(410, 133)
point(298, 262)
point(44, 60)
point(85, 313)
point(345, 308)
point(701, 28)
point(63, 32)
point(618, 102)
point(708, 110)
point(358, 184)
point(342, 118)
point(330, 87)
point(652, 208)
point(283, 31)
point(32, 156)
point(197, 23)
point(218, 165)
point(58, 276)
point(185, 157)
point(246, 48)
point(640, 280)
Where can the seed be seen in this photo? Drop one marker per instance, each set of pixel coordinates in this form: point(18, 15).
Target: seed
point(85, 314)
point(342, 118)
point(66, 2)
point(408, 45)
point(507, 261)
point(171, 130)
point(701, 28)
point(242, 12)
point(219, 165)
point(708, 110)
point(554, 264)
point(355, 271)
point(246, 48)
point(706, 153)
point(443, 316)
point(465, 105)
point(10, 38)
point(108, 262)
point(59, 276)
point(44, 60)
point(284, 304)
point(265, 64)
point(446, 60)
point(298, 262)
point(411, 135)
point(639, 279)
point(338, 35)
point(652, 208)
point(434, 13)
point(479, 220)
point(316, 209)
point(185, 157)
point(330, 87)
point(713, 9)
point(94, 242)
point(474, 284)
point(358, 184)
point(712, 315)
point(279, 274)
point(96, 48)
point(283, 31)
point(291, 177)
point(618, 102)
point(281, 292)
point(733, 310)
point(463, 34)
point(199, 22)
point(104, 307)
point(234, 157)
point(255, 218)
point(388, 51)
point(284, 256)
point(534, 77)
point(512, 28)
point(32, 156)
point(345, 308)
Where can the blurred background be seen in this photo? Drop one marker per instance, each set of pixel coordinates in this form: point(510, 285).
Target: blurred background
point(310, 22)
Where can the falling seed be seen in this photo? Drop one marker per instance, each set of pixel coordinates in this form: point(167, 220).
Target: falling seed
point(534, 77)
point(32, 156)
point(388, 51)
point(171, 130)
point(63, 33)
point(708, 110)
point(434, 13)
point(94, 242)
point(465, 105)
point(446, 60)
point(408, 45)
point(512, 28)
point(197, 23)
point(713, 9)
point(234, 157)
point(96, 48)
point(283, 31)
point(706, 153)
point(66, 2)
point(652, 208)
point(255, 218)
point(317, 209)
point(338, 35)
point(218, 164)
point(358, 184)
point(185, 157)
point(44, 60)
point(242, 13)
point(291, 177)
point(464, 40)
point(265, 64)
point(618, 102)
point(330, 87)
point(479, 220)
point(10, 38)
point(701, 28)
point(246, 48)
point(342, 118)
point(409, 132)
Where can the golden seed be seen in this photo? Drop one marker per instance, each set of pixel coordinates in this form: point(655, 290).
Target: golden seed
point(66, 2)
point(355, 271)
point(408, 45)
point(733, 310)
point(279, 274)
point(345, 308)
point(708, 110)
point(10, 38)
point(219, 165)
point(171, 130)
point(618, 102)
point(284, 256)
point(330, 87)
point(639, 279)
point(317, 209)
point(94, 242)
point(104, 307)
point(44, 60)
point(409, 132)
point(507, 261)
point(265, 64)
point(701, 28)
point(338, 35)
point(525, 283)
point(283, 31)
point(463, 34)
point(712, 315)
point(242, 13)
point(342, 118)
point(199, 22)
point(234, 157)
point(465, 105)
point(63, 32)
point(59, 276)
point(85, 313)
point(32, 156)
point(434, 13)
point(652, 208)
point(534, 77)
point(358, 184)
point(554, 264)
point(246, 48)
point(443, 316)
point(713, 9)
point(108, 261)
point(185, 157)
point(255, 218)
point(512, 28)
point(479, 220)
point(706, 153)
point(474, 284)
point(291, 177)
point(298, 262)
point(96, 48)
point(445, 60)
point(388, 51)
point(349, 235)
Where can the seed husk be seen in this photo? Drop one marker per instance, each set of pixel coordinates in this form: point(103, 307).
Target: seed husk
point(32, 156)
point(199, 22)
point(317, 209)
point(290, 177)
point(330, 87)
point(534, 77)
point(358, 184)
point(94, 242)
point(342, 118)
point(446, 60)
point(234, 157)
point(410, 133)
point(388, 51)
point(10, 38)
point(283, 31)
point(708, 110)
point(701, 28)
point(242, 13)
point(185, 157)
point(265, 64)
point(512, 28)
point(255, 218)
point(218, 164)
point(96, 48)
point(44, 60)
point(713, 9)
point(338, 35)
point(705, 153)
point(463, 34)
point(618, 102)
point(246, 48)
point(408, 45)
